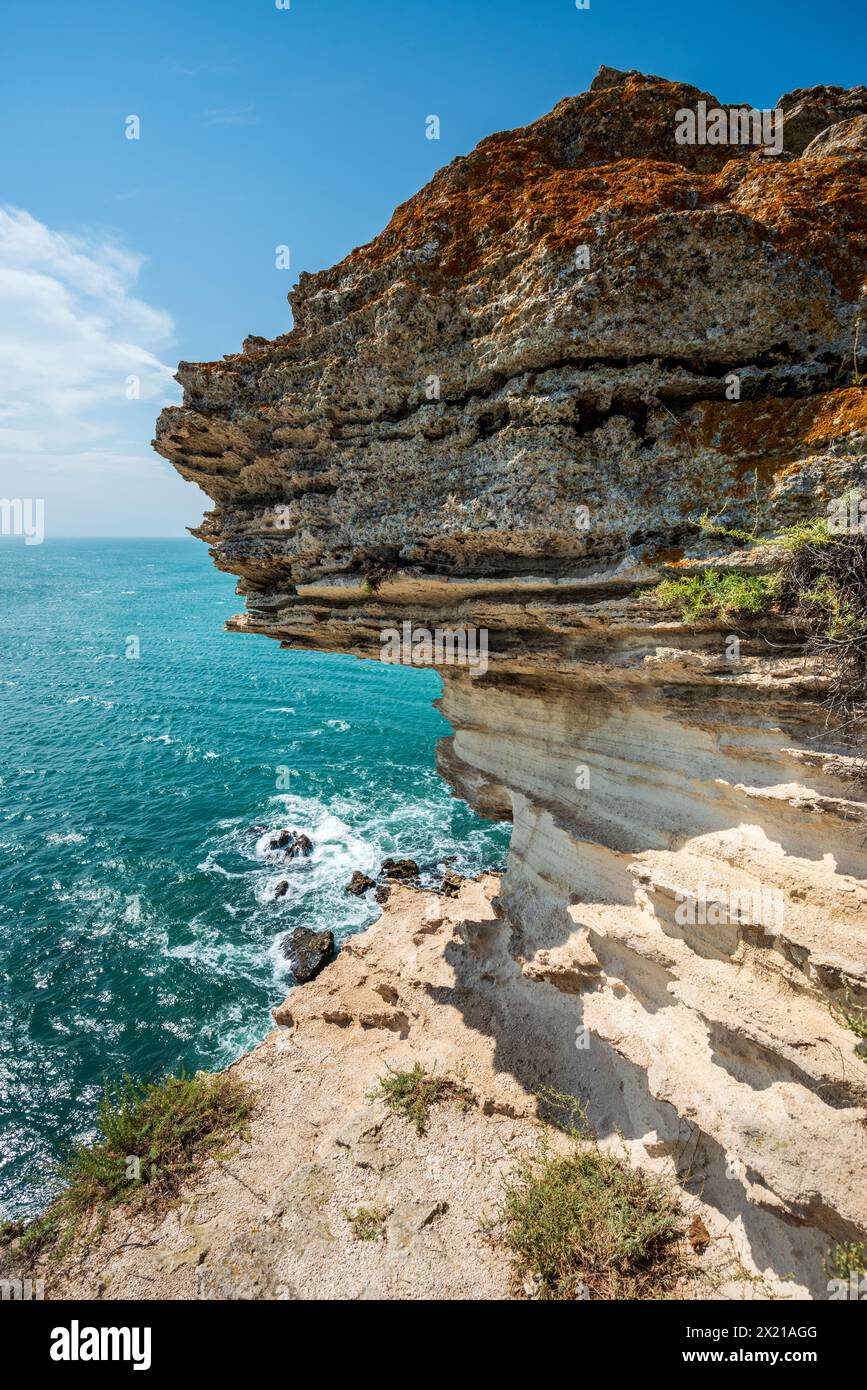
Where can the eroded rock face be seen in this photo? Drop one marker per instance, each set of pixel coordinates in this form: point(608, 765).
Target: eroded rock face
point(359, 884)
point(840, 140)
point(307, 952)
point(508, 412)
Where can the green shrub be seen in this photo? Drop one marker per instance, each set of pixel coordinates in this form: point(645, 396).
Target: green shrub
point(818, 584)
point(793, 539)
point(814, 531)
point(412, 1093)
point(847, 1259)
point(853, 1017)
point(716, 594)
point(151, 1136)
point(709, 525)
point(823, 593)
point(588, 1225)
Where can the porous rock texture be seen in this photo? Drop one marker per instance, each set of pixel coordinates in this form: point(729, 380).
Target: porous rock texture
point(420, 448)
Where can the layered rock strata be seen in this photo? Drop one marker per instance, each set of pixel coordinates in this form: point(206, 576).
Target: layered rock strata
point(508, 413)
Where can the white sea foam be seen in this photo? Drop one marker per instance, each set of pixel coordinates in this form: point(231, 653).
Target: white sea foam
point(90, 700)
point(209, 865)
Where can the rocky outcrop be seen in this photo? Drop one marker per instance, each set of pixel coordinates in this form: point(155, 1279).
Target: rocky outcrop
point(508, 414)
point(293, 844)
point(451, 884)
point(400, 870)
point(844, 138)
point(307, 952)
point(359, 883)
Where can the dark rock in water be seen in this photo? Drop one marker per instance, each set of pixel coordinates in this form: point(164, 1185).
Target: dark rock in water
point(282, 888)
point(401, 869)
point(359, 883)
point(296, 846)
point(451, 884)
point(307, 951)
point(382, 893)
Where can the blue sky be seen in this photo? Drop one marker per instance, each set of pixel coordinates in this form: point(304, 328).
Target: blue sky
point(262, 126)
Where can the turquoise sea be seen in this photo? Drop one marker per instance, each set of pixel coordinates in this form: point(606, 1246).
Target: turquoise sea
point(138, 931)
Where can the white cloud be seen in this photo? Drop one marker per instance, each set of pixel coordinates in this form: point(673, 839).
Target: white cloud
point(230, 115)
point(73, 333)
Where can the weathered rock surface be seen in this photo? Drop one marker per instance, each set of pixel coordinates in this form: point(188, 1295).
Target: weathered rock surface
point(294, 844)
point(472, 426)
point(307, 951)
point(451, 884)
point(844, 138)
point(359, 883)
point(401, 870)
point(432, 982)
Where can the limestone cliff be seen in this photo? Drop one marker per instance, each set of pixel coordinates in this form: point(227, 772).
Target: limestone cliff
point(508, 412)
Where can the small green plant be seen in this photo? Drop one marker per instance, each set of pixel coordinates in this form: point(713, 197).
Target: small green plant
point(565, 1112)
point(834, 608)
point(847, 1259)
point(802, 535)
point(818, 584)
point(586, 1224)
point(716, 594)
point(853, 1017)
point(368, 1223)
point(412, 1093)
point(709, 525)
point(814, 531)
point(375, 576)
point(152, 1135)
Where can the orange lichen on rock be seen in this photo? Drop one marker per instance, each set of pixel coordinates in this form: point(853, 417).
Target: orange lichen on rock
point(611, 154)
point(554, 320)
point(780, 427)
point(837, 414)
point(816, 209)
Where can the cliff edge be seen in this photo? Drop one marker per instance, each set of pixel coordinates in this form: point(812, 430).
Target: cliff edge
point(586, 357)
